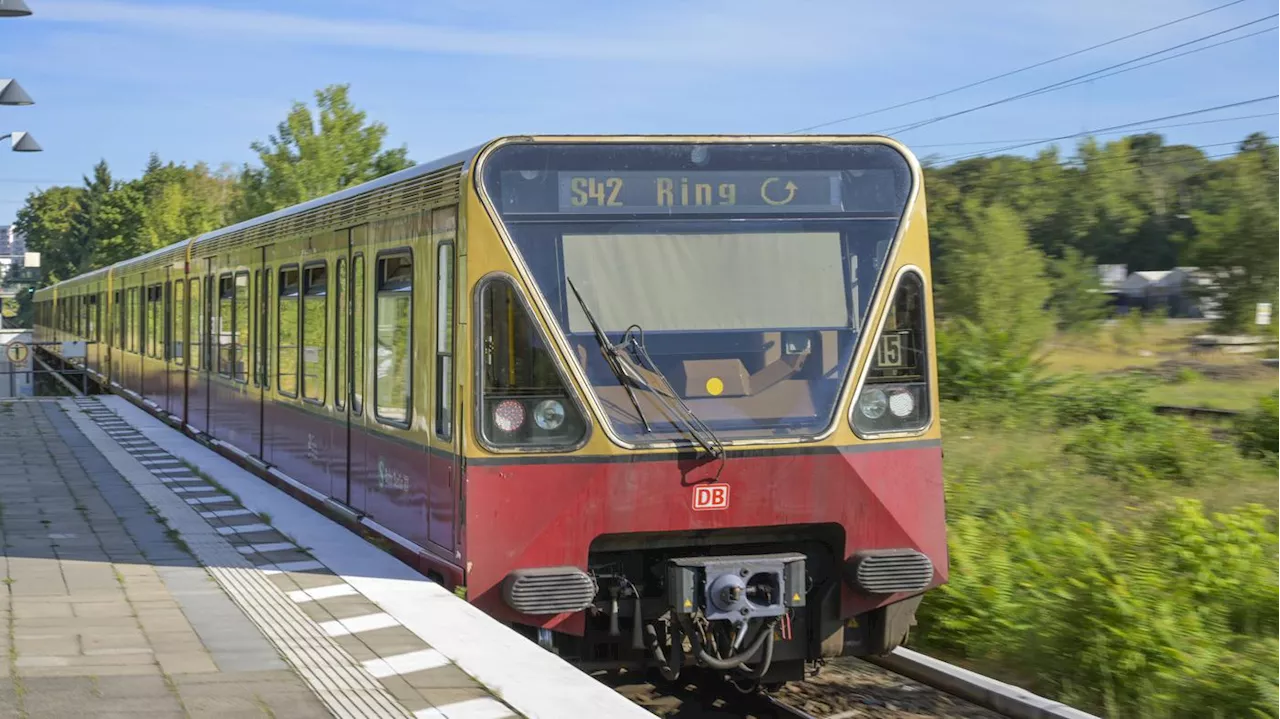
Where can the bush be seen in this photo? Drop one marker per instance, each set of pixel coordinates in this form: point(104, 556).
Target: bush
point(986, 363)
point(1083, 401)
point(1257, 432)
point(1139, 449)
point(1174, 616)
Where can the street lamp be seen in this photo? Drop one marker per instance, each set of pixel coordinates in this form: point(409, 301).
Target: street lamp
point(23, 142)
point(11, 93)
point(13, 8)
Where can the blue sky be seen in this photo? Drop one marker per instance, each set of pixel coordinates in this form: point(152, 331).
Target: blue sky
point(201, 79)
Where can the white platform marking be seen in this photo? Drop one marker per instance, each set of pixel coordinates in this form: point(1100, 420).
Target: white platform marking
point(355, 625)
point(221, 513)
point(407, 663)
point(311, 595)
point(305, 565)
point(244, 529)
point(481, 708)
point(194, 490)
point(210, 500)
point(266, 547)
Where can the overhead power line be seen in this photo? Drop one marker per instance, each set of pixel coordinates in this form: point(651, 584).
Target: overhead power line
point(1010, 73)
point(1071, 80)
point(1102, 130)
point(1132, 129)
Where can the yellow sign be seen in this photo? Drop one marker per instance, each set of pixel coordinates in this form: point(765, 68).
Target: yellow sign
point(17, 352)
point(790, 187)
point(715, 386)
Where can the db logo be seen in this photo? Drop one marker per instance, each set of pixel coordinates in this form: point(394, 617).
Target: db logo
point(712, 496)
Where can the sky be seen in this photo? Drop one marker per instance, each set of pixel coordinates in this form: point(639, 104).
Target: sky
point(199, 80)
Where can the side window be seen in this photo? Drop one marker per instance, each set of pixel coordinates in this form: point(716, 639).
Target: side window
point(195, 325)
point(340, 357)
point(120, 315)
point(315, 292)
point(287, 333)
point(155, 324)
point(393, 335)
point(134, 316)
point(444, 341)
point(240, 338)
point(264, 321)
point(257, 336)
point(525, 401)
point(357, 334)
point(179, 348)
point(895, 393)
point(206, 321)
point(224, 325)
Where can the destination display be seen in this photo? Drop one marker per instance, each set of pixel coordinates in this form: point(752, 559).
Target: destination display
point(596, 192)
point(725, 192)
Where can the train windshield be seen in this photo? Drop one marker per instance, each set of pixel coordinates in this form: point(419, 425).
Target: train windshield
point(745, 271)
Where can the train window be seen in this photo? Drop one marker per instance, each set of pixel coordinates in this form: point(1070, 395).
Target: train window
point(240, 330)
point(224, 325)
point(444, 341)
point(287, 333)
point(895, 392)
point(118, 299)
point(526, 402)
point(178, 345)
point(393, 340)
point(154, 322)
point(195, 321)
point(134, 317)
point(341, 360)
point(257, 351)
point(357, 335)
point(315, 298)
point(264, 313)
point(210, 342)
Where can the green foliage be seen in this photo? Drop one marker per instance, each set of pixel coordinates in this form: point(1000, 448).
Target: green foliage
point(994, 278)
point(1085, 401)
point(1257, 432)
point(976, 361)
point(1141, 450)
point(304, 160)
point(1077, 299)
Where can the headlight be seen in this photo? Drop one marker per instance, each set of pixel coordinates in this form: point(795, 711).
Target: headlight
point(508, 416)
point(872, 403)
point(901, 403)
point(549, 414)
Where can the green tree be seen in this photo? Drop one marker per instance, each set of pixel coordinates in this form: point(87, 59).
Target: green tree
point(110, 220)
point(1077, 300)
point(994, 278)
point(305, 160)
point(48, 220)
point(182, 202)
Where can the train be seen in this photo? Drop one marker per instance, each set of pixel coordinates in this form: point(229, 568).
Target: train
point(656, 402)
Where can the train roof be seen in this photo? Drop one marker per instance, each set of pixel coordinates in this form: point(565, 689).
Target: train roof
point(424, 168)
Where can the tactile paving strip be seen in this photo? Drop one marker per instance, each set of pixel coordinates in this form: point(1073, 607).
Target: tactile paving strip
point(345, 686)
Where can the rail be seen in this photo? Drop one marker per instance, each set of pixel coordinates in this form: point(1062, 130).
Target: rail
point(984, 691)
point(1194, 411)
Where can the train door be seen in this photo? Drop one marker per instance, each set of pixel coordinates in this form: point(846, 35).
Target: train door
point(444, 481)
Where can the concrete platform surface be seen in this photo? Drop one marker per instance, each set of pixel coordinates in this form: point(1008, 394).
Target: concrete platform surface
point(266, 586)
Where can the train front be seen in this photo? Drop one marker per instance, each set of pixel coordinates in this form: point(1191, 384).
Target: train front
point(706, 403)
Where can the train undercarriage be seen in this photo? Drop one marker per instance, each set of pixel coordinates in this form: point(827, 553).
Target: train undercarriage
point(754, 605)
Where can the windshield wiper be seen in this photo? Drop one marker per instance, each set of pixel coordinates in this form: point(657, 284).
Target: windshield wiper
point(613, 358)
point(624, 368)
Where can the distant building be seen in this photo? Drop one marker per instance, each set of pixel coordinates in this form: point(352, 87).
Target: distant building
point(1182, 292)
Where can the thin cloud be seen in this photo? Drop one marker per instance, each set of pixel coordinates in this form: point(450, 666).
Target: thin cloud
point(733, 41)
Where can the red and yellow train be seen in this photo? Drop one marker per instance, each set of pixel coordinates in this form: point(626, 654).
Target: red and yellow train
point(619, 392)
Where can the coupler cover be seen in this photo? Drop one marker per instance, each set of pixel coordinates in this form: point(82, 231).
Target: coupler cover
point(737, 588)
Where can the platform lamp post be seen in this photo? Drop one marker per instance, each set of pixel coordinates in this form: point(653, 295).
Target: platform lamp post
point(22, 142)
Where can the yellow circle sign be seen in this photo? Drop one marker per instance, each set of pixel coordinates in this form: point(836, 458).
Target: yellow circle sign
point(17, 352)
point(715, 386)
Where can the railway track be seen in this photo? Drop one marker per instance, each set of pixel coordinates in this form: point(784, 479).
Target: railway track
point(905, 685)
point(1203, 412)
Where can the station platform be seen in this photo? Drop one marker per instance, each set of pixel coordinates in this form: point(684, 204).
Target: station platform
point(147, 576)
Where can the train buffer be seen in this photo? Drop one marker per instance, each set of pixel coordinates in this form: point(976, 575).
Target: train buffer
point(147, 576)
